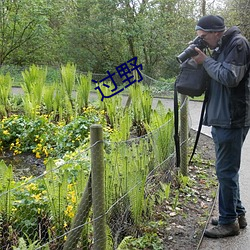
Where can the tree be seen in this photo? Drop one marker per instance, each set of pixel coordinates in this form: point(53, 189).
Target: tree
point(106, 33)
point(237, 12)
point(20, 22)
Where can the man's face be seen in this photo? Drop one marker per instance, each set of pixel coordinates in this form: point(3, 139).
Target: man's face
point(211, 38)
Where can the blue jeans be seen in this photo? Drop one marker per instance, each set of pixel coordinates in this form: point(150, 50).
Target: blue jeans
point(228, 145)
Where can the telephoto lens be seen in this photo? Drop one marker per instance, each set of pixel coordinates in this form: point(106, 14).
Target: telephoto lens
point(190, 50)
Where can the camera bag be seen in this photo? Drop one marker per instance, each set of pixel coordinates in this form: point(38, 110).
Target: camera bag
point(192, 79)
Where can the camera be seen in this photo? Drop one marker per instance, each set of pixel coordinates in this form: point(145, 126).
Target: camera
point(190, 51)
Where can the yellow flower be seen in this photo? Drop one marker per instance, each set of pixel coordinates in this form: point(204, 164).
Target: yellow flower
point(38, 156)
point(6, 132)
point(14, 209)
point(73, 199)
point(69, 211)
point(37, 196)
point(31, 187)
point(45, 151)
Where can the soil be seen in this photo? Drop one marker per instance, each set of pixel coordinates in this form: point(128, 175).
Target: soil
point(186, 223)
point(25, 164)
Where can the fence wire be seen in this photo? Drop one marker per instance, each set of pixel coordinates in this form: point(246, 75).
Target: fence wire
point(43, 210)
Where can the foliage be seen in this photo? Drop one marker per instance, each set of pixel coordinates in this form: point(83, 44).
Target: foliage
point(30, 204)
point(141, 105)
point(147, 241)
point(44, 138)
point(22, 245)
point(100, 35)
point(6, 184)
point(68, 74)
point(23, 28)
point(34, 81)
point(5, 90)
point(83, 91)
point(236, 13)
point(162, 141)
point(51, 201)
point(43, 206)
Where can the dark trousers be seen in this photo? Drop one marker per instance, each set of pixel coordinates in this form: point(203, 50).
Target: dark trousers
point(228, 145)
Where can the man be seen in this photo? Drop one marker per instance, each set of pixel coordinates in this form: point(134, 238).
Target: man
point(228, 112)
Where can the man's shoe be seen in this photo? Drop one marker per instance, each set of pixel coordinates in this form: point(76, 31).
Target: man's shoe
point(221, 231)
point(241, 219)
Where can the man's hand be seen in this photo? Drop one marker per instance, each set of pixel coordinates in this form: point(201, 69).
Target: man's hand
point(200, 58)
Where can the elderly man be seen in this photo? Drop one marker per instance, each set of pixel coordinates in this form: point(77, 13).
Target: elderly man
point(228, 112)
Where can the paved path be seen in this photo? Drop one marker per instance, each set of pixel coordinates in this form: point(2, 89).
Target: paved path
point(241, 242)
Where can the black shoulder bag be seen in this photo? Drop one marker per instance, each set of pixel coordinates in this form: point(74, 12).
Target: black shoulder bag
point(191, 81)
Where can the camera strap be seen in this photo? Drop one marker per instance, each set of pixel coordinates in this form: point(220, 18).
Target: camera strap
point(199, 127)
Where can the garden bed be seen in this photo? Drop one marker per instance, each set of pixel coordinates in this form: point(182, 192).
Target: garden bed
point(179, 221)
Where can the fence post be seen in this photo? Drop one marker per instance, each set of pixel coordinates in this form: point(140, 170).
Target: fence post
point(98, 195)
point(184, 135)
point(80, 218)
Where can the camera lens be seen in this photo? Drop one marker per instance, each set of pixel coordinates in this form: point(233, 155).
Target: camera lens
point(187, 53)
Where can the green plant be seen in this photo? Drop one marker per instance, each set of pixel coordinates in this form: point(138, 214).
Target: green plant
point(141, 104)
point(48, 98)
point(34, 81)
point(56, 187)
point(176, 199)
point(30, 207)
point(68, 74)
point(83, 91)
point(164, 191)
point(126, 173)
point(184, 181)
point(122, 126)
point(112, 106)
point(29, 244)
point(147, 241)
point(6, 196)
point(43, 137)
point(161, 126)
point(5, 90)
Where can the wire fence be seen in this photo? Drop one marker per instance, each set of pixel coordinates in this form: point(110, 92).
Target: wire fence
point(55, 210)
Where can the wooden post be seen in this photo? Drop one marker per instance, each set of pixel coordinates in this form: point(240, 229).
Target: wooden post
point(98, 195)
point(184, 135)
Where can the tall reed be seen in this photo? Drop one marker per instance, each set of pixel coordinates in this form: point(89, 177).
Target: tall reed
point(83, 91)
point(6, 184)
point(5, 90)
point(48, 98)
point(33, 86)
point(68, 74)
point(126, 172)
point(161, 132)
point(141, 104)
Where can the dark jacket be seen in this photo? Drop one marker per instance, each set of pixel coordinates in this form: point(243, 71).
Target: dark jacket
point(228, 103)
